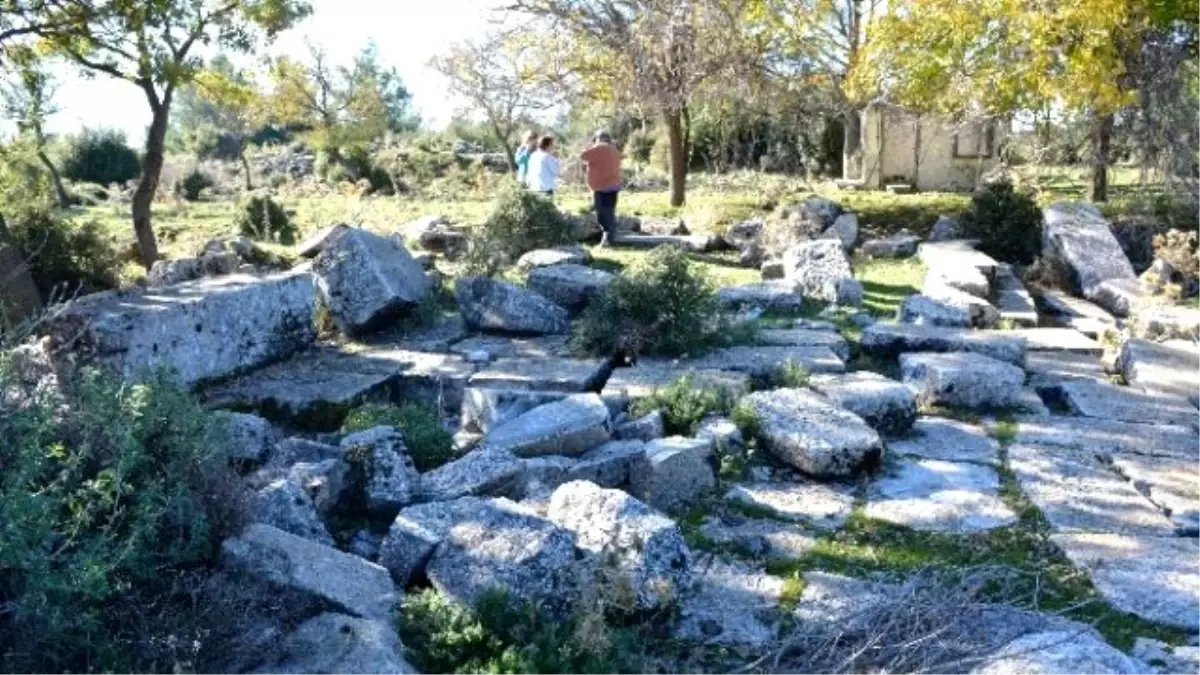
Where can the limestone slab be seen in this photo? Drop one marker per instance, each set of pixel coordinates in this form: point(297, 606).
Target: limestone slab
point(808, 432)
point(693, 243)
point(1047, 369)
point(568, 427)
point(543, 374)
point(763, 361)
point(771, 539)
point(890, 339)
point(923, 310)
point(886, 405)
point(1071, 312)
point(672, 472)
point(1108, 436)
point(778, 296)
point(823, 505)
point(947, 440)
point(800, 337)
point(1154, 578)
point(1056, 340)
point(1059, 652)
point(1172, 484)
point(1079, 243)
point(938, 496)
point(1077, 493)
point(962, 379)
point(734, 605)
point(1172, 368)
point(500, 346)
point(1113, 402)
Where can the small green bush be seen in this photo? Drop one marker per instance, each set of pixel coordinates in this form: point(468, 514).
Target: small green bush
point(428, 442)
point(100, 156)
point(192, 184)
point(497, 636)
point(791, 375)
point(64, 258)
point(1007, 222)
point(104, 509)
point(661, 305)
point(263, 219)
point(520, 221)
point(684, 405)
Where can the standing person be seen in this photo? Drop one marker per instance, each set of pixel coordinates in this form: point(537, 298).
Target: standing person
point(543, 168)
point(523, 154)
point(602, 163)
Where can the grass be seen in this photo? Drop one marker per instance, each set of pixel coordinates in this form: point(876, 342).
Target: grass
point(887, 282)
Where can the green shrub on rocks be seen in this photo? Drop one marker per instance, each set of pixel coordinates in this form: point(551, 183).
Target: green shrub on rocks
point(1006, 221)
point(662, 305)
point(428, 442)
point(64, 258)
point(105, 512)
point(264, 219)
point(521, 221)
point(684, 405)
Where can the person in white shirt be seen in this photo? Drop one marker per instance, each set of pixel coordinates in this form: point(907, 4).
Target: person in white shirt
point(543, 168)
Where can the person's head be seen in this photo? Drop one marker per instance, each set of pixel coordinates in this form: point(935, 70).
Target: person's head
point(531, 139)
point(602, 136)
point(545, 143)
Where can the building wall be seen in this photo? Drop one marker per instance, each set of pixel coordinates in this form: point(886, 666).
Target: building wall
point(928, 151)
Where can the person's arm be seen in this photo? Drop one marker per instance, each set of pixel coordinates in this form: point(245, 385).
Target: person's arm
point(587, 155)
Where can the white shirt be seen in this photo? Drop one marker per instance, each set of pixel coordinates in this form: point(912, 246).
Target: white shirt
point(543, 171)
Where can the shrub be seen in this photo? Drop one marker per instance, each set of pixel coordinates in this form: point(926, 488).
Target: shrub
point(499, 636)
point(684, 405)
point(1007, 222)
point(661, 305)
point(104, 509)
point(192, 184)
point(428, 442)
point(63, 257)
point(520, 221)
point(639, 146)
point(100, 156)
point(263, 219)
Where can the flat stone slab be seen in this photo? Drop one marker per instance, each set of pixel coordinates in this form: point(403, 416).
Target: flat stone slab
point(1047, 369)
point(800, 337)
point(1171, 369)
point(778, 296)
point(808, 432)
point(648, 376)
point(1013, 301)
point(499, 346)
point(937, 496)
point(823, 505)
point(1109, 436)
point(962, 379)
point(771, 539)
point(543, 374)
point(1077, 493)
point(1112, 402)
point(485, 409)
point(690, 243)
point(1071, 312)
point(1166, 323)
point(1056, 340)
point(1171, 484)
point(762, 361)
point(568, 427)
point(315, 389)
point(1062, 651)
point(956, 252)
point(886, 405)
point(1152, 577)
point(947, 440)
point(446, 330)
point(734, 605)
point(1120, 296)
point(895, 246)
point(891, 339)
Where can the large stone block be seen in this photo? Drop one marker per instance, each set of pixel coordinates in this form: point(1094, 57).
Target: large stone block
point(808, 432)
point(571, 286)
point(568, 427)
point(204, 330)
point(336, 643)
point(674, 471)
point(960, 379)
point(1078, 242)
point(887, 405)
point(816, 267)
point(890, 339)
point(1172, 368)
point(367, 280)
point(488, 304)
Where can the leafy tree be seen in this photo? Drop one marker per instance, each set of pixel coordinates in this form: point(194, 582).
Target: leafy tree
point(26, 96)
point(150, 44)
point(500, 78)
point(220, 111)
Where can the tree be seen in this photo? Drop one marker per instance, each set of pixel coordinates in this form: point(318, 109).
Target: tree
point(500, 78)
point(382, 90)
point(658, 51)
point(220, 111)
point(27, 99)
point(151, 44)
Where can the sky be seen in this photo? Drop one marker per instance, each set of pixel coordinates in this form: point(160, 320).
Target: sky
point(407, 32)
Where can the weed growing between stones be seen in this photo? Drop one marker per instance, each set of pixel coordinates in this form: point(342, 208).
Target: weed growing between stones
point(790, 375)
point(684, 404)
point(428, 443)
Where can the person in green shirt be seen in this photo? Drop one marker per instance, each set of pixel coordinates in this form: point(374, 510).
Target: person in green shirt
point(523, 153)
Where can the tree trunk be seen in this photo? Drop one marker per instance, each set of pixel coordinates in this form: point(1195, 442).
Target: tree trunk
point(246, 169)
point(147, 186)
point(1102, 126)
point(852, 145)
point(676, 155)
point(64, 200)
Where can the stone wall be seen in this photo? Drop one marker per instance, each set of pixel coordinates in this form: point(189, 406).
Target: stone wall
point(925, 149)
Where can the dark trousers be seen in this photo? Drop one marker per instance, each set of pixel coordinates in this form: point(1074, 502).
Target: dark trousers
point(605, 204)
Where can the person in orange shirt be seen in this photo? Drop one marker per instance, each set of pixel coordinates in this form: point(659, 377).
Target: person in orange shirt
point(602, 165)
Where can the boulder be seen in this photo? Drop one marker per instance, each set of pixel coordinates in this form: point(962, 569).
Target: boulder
point(609, 465)
point(311, 247)
point(416, 531)
point(337, 643)
point(887, 406)
point(391, 480)
point(816, 267)
point(571, 286)
point(815, 214)
point(922, 310)
point(367, 280)
point(169, 272)
point(568, 427)
point(960, 379)
point(674, 471)
point(771, 270)
point(723, 432)
point(808, 432)
point(489, 304)
point(648, 427)
point(888, 340)
point(1079, 244)
point(981, 312)
point(559, 255)
point(482, 471)
point(753, 256)
point(250, 436)
point(328, 483)
point(295, 450)
point(742, 235)
point(311, 570)
point(633, 543)
point(484, 409)
point(849, 292)
point(205, 330)
point(286, 505)
point(902, 245)
point(1059, 652)
point(657, 225)
point(844, 229)
point(1122, 297)
point(945, 228)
